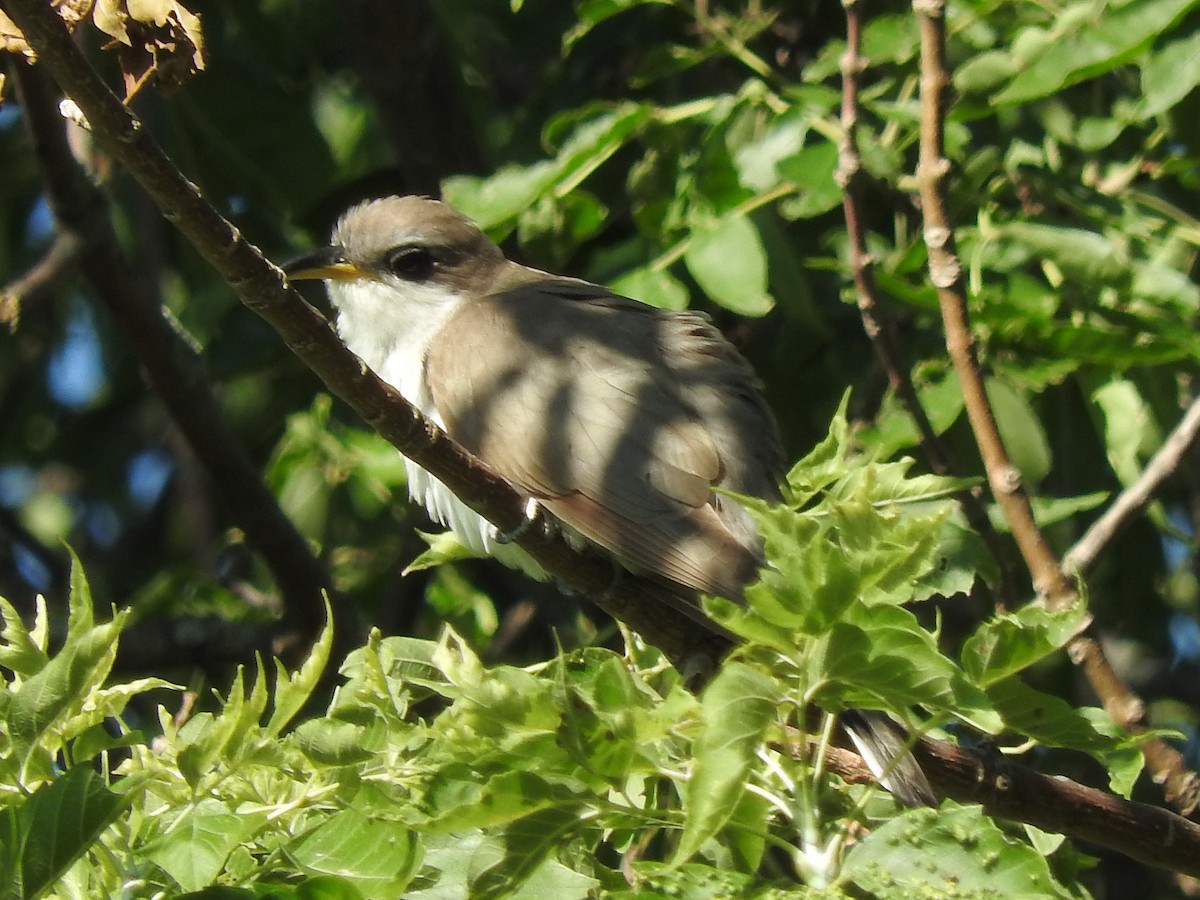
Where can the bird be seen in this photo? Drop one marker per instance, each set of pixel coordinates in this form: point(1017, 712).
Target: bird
point(632, 428)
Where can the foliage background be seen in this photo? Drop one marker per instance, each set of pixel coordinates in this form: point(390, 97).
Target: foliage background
point(685, 154)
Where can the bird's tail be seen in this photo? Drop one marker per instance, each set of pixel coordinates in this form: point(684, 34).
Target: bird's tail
point(885, 747)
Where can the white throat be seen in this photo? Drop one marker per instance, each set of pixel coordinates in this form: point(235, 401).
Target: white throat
point(391, 328)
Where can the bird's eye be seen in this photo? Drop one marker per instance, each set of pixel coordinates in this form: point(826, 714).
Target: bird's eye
point(410, 262)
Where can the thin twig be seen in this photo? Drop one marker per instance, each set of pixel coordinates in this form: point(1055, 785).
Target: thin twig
point(1166, 765)
point(877, 322)
point(1131, 501)
point(56, 263)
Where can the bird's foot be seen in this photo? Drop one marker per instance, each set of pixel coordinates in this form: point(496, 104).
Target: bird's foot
point(533, 513)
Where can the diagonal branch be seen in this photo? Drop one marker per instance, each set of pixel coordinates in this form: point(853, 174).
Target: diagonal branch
point(1134, 498)
point(877, 323)
point(262, 288)
point(170, 364)
point(56, 263)
point(635, 601)
point(1166, 765)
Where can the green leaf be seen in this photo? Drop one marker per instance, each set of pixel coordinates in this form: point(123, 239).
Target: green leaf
point(1085, 47)
point(58, 691)
point(1081, 255)
point(342, 739)
point(380, 855)
point(1052, 721)
point(738, 706)
point(1169, 75)
point(812, 170)
point(894, 429)
point(1006, 644)
point(195, 848)
point(758, 161)
point(1130, 430)
point(984, 71)
point(729, 263)
point(19, 652)
point(654, 286)
point(881, 658)
point(495, 202)
point(826, 462)
point(292, 691)
point(54, 827)
point(80, 616)
point(528, 845)
point(1049, 510)
point(590, 13)
point(327, 887)
point(1021, 430)
point(927, 852)
point(208, 738)
point(444, 547)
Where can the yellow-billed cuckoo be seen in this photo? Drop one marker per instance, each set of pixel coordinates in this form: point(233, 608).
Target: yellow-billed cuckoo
point(617, 417)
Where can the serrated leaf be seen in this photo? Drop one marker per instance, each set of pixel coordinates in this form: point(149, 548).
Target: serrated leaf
point(56, 825)
point(1052, 721)
point(208, 736)
point(1006, 644)
point(810, 581)
point(80, 616)
point(19, 652)
point(738, 706)
point(883, 659)
point(50, 697)
point(292, 691)
point(107, 703)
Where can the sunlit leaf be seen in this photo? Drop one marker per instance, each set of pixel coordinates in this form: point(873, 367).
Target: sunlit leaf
point(729, 263)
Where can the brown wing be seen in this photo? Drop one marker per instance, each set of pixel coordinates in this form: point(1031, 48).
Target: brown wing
point(621, 418)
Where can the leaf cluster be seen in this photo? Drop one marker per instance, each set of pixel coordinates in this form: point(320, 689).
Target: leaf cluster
point(430, 774)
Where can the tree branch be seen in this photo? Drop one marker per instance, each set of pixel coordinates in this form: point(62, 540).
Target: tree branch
point(262, 288)
point(636, 601)
point(1008, 790)
point(877, 323)
point(1166, 765)
point(1131, 501)
point(172, 367)
point(55, 264)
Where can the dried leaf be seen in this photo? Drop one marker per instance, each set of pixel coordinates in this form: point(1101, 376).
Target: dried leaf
point(73, 11)
point(11, 39)
point(160, 42)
